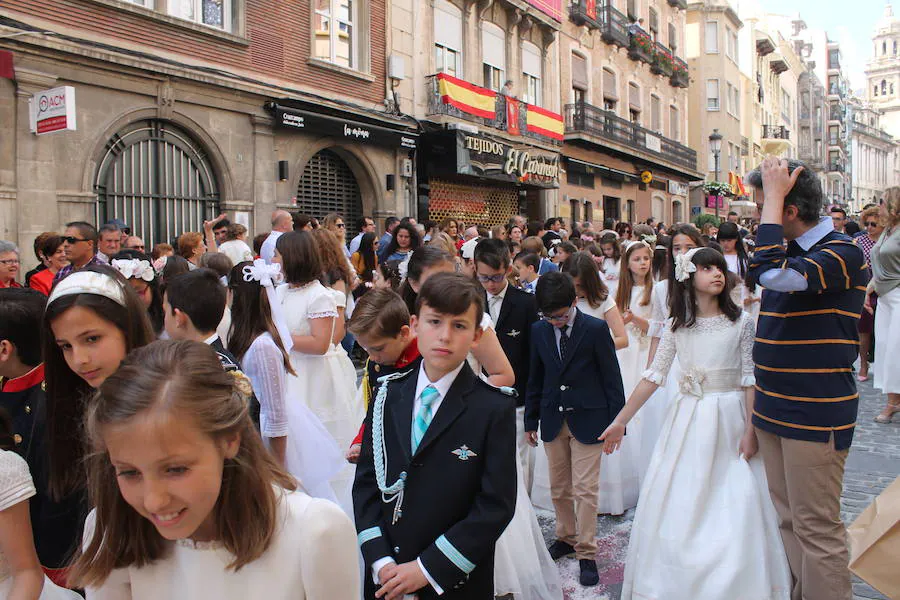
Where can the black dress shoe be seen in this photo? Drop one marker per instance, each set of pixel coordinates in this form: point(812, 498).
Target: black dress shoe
point(559, 549)
point(589, 575)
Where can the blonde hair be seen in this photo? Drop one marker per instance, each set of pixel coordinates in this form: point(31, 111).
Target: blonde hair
point(185, 378)
point(891, 199)
point(444, 242)
point(626, 279)
point(535, 245)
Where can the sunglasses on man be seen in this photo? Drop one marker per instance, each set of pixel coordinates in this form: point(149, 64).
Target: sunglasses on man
point(72, 240)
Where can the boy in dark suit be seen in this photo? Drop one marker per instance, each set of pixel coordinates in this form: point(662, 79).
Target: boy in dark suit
point(513, 313)
point(574, 392)
point(436, 479)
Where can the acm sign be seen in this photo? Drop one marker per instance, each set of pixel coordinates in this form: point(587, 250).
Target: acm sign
point(53, 110)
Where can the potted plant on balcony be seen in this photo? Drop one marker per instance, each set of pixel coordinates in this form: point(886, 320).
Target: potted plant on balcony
point(680, 76)
point(641, 46)
point(715, 191)
point(663, 61)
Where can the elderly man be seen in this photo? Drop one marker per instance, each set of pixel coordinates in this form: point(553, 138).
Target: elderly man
point(110, 242)
point(9, 264)
point(282, 222)
point(133, 242)
point(80, 247)
point(806, 402)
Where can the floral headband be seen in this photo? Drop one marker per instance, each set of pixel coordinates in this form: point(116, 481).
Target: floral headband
point(134, 268)
point(684, 264)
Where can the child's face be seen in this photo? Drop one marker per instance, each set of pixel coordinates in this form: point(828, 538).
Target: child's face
point(385, 350)
point(728, 246)
point(609, 251)
point(170, 322)
point(445, 340)
point(560, 257)
point(682, 243)
point(92, 346)
point(709, 280)
point(639, 263)
point(170, 472)
point(492, 280)
point(526, 272)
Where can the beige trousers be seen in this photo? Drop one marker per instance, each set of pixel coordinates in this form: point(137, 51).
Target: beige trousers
point(805, 482)
point(574, 476)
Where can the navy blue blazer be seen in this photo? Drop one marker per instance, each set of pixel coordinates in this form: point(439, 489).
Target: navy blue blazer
point(585, 391)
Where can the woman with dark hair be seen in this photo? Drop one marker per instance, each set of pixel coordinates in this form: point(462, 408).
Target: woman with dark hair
point(660, 266)
point(365, 260)
point(729, 238)
point(404, 241)
point(53, 256)
point(325, 379)
point(624, 231)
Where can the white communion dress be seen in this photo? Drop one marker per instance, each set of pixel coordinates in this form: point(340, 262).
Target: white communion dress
point(325, 383)
point(522, 564)
point(17, 486)
point(705, 526)
point(312, 556)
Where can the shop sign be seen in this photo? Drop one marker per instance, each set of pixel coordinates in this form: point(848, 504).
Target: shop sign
point(678, 188)
point(348, 130)
point(486, 157)
point(53, 110)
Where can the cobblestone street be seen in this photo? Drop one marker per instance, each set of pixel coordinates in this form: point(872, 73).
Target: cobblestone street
point(873, 464)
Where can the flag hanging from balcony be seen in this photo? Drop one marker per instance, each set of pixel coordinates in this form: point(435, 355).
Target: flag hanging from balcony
point(591, 8)
point(6, 65)
point(737, 184)
point(512, 116)
point(467, 97)
point(544, 122)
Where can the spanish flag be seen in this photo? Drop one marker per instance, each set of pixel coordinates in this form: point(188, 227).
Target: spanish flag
point(737, 184)
point(467, 97)
point(544, 122)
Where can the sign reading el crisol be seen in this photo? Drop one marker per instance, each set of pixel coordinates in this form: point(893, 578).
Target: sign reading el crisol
point(53, 110)
point(487, 157)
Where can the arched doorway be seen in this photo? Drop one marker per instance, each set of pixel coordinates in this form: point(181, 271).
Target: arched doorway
point(329, 185)
point(158, 180)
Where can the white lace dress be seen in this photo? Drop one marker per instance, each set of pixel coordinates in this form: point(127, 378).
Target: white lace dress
point(705, 526)
point(522, 564)
point(16, 486)
point(312, 456)
point(654, 410)
point(610, 275)
point(325, 383)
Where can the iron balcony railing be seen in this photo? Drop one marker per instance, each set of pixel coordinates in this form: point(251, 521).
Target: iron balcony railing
point(436, 106)
point(836, 167)
point(613, 25)
point(591, 120)
point(663, 60)
point(871, 131)
point(682, 4)
point(776, 132)
point(680, 76)
point(641, 45)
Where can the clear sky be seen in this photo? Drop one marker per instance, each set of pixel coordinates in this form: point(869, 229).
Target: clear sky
point(850, 23)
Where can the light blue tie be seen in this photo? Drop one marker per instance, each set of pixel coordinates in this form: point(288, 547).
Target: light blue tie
point(423, 415)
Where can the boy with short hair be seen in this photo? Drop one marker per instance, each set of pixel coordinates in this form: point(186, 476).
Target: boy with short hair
point(193, 304)
point(437, 428)
point(380, 324)
point(574, 392)
point(55, 525)
point(528, 264)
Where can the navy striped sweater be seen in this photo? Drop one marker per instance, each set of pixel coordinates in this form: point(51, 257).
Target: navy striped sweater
point(806, 342)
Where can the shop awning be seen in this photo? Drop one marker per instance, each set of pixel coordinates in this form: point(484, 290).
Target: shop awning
point(351, 130)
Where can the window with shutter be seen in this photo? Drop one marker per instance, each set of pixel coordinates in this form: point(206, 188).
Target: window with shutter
point(448, 38)
point(655, 116)
point(634, 96)
point(712, 37)
point(654, 21)
point(493, 46)
point(579, 72)
point(674, 123)
point(532, 72)
point(712, 94)
point(673, 38)
point(609, 85)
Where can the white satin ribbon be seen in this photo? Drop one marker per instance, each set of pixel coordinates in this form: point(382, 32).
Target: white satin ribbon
point(268, 276)
point(684, 264)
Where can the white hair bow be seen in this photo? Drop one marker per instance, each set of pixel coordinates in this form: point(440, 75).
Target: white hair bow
point(268, 276)
point(134, 268)
point(684, 264)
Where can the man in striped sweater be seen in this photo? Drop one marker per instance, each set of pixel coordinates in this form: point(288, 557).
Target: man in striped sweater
point(806, 398)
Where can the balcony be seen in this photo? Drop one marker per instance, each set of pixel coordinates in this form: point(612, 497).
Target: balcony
point(778, 64)
point(836, 167)
point(581, 14)
point(776, 132)
point(836, 115)
point(641, 46)
point(583, 118)
point(680, 77)
point(439, 104)
point(835, 92)
point(663, 60)
point(613, 26)
point(682, 4)
point(872, 131)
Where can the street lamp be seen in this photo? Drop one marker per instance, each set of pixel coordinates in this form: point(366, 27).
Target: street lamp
point(715, 146)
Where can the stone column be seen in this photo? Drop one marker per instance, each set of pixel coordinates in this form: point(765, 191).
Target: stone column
point(35, 178)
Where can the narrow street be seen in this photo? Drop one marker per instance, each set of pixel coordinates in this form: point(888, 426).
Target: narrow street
point(874, 462)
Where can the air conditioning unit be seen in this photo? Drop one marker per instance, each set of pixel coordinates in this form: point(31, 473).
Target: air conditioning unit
point(406, 167)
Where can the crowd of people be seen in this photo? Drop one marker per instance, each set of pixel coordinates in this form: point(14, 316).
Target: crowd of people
point(187, 420)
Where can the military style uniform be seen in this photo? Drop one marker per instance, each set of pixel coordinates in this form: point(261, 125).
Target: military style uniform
point(459, 489)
